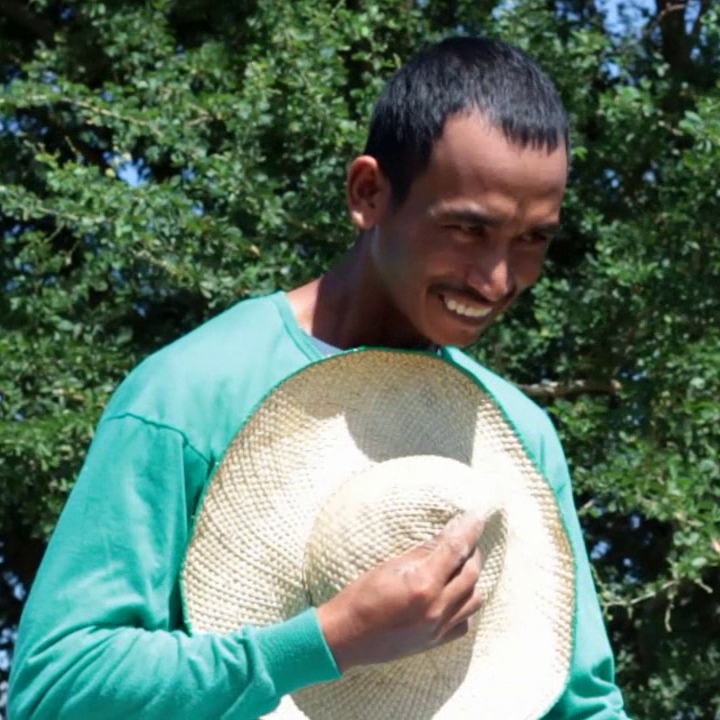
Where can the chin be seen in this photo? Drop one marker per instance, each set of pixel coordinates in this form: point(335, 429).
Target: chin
point(454, 337)
point(464, 340)
point(459, 334)
point(438, 327)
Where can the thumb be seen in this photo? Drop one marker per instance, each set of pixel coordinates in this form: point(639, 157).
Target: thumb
point(456, 543)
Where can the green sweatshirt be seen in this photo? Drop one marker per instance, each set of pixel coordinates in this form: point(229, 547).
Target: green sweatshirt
point(103, 635)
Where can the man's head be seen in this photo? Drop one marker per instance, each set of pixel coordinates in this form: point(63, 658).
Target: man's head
point(460, 186)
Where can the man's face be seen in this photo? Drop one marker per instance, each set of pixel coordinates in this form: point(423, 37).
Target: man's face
point(472, 233)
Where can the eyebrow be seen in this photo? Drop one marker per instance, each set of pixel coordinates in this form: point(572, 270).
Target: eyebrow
point(551, 228)
point(470, 216)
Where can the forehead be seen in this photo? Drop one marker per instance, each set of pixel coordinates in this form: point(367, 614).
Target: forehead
point(474, 161)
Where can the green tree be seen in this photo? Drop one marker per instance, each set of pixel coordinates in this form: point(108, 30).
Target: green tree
point(160, 160)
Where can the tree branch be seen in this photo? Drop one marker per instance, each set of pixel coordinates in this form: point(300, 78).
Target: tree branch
point(553, 390)
point(63, 135)
point(675, 42)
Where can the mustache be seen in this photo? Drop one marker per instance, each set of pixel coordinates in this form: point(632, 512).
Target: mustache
point(471, 295)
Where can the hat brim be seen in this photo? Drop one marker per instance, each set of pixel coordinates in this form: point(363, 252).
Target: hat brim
point(334, 420)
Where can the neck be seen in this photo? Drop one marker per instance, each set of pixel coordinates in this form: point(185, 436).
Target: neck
point(350, 307)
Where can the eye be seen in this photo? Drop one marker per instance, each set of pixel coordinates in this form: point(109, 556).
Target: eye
point(537, 238)
point(467, 229)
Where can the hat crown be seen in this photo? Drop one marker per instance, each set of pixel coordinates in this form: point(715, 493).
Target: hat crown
point(395, 506)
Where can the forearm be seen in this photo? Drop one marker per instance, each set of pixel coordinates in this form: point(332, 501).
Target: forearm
point(127, 672)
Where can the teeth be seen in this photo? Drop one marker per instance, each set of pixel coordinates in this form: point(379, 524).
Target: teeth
point(466, 310)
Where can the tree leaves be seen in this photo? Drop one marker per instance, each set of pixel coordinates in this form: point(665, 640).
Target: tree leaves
point(160, 161)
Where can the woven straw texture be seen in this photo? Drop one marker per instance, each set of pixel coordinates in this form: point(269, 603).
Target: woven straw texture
point(357, 459)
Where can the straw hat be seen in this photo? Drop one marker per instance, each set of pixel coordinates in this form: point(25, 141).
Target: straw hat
point(358, 458)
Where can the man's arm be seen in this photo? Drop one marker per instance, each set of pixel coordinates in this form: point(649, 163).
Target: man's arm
point(101, 634)
point(591, 691)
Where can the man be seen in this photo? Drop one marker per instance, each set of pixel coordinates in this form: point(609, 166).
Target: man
point(456, 199)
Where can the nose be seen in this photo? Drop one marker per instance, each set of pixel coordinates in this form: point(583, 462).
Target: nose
point(491, 276)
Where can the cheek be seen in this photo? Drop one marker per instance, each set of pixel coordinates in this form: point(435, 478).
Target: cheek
point(528, 268)
point(445, 261)
point(420, 258)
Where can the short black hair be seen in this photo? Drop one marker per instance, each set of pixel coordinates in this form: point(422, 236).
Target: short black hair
point(456, 76)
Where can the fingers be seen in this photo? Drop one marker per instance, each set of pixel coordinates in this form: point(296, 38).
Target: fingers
point(455, 633)
point(454, 545)
point(460, 597)
point(460, 616)
point(462, 583)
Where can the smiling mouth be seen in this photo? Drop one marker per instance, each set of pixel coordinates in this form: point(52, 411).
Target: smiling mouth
point(473, 312)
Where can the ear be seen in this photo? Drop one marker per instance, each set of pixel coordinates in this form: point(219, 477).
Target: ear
point(368, 192)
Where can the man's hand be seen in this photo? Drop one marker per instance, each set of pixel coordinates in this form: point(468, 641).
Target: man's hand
point(410, 603)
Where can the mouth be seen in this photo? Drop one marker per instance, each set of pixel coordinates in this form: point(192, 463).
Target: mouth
point(466, 310)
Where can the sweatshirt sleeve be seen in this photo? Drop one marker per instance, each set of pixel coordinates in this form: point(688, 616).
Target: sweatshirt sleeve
point(102, 633)
point(591, 693)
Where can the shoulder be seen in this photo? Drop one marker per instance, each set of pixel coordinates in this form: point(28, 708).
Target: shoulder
point(522, 412)
point(530, 421)
point(202, 379)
